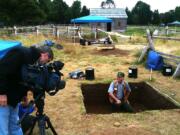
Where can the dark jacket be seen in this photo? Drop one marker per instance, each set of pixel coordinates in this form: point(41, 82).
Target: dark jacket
point(10, 72)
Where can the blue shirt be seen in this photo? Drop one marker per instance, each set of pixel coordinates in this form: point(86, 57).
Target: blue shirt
point(120, 89)
point(24, 109)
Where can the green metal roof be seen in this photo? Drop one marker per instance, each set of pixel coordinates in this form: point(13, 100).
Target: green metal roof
point(109, 12)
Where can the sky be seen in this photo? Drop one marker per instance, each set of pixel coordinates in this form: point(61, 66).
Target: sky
point(162, 5)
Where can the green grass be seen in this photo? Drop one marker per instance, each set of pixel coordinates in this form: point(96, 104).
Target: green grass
point(138, 31)
point(27, 40)
point(141, 30)
point(174, 28)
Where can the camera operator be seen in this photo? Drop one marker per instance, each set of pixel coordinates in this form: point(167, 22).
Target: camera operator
point(11, 91)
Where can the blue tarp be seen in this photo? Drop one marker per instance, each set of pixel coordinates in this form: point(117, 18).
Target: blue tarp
point(154, 61)
point(5, 46)
point(91, 19)
point(49, 43)
point(174, 23)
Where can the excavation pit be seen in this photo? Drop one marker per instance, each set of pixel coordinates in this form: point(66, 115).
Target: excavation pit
point(143, 97)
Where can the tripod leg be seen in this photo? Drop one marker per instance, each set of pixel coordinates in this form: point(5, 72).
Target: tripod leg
point(42, 124)
point(31, 130)
point(50, 125)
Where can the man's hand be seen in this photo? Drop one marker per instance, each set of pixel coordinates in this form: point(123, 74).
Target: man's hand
point(3, 100)
point(118, 102)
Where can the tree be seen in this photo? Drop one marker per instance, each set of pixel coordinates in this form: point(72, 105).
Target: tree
point(103, 4)
point(46, 6)
point(156, 17)
point(177, 13)
point(60, 12)
point(76, 9)
point(84, 11)
point(21, 12)
point(8, 11)
point(141, 13)
point(129, 20)
point(29, 12)
point(108, 4)
point(168, 16)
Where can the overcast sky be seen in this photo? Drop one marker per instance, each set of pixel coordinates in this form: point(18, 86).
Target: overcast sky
point(161, 5)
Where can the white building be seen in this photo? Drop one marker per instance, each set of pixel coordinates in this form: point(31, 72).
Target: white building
point(118, 15)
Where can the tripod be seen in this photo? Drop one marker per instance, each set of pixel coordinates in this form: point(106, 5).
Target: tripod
point(40, 118)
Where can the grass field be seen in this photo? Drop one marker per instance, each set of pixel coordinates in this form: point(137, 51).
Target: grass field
point(66, 109)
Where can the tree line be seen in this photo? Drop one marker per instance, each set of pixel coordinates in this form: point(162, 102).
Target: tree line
point(33, 12)
point(141, 14)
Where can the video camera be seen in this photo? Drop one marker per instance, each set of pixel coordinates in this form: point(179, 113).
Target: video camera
point(41, 78)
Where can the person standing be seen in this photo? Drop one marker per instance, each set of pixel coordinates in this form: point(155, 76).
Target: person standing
point(11, 90)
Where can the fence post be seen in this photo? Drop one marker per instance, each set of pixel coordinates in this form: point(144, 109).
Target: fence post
point(151, 45)
point(145, 49)
point(37, 30)
point(53, 30)
point(167, 31)
point(143, 53)
point(56, 32)
point(177, 71)
point(67, 30)
point(15, 30)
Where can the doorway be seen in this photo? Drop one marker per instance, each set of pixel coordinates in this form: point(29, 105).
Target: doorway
point(108, 26)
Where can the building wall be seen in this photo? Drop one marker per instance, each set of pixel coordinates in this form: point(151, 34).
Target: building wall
point(117, 24)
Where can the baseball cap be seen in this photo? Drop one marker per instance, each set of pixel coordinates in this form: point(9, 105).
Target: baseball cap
point(120, 74)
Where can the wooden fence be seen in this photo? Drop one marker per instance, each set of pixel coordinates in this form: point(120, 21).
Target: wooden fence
point(166, 38)
point(57, 31)
point(168, 57)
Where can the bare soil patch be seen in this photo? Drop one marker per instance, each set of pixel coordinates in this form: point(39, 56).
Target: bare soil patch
point(143, 97)
point(107, 52)
point(123, 131)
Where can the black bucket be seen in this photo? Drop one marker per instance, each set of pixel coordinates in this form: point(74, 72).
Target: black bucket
point(133, 71)
point(167, 70)
point(82, 41)
point(90, 73)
